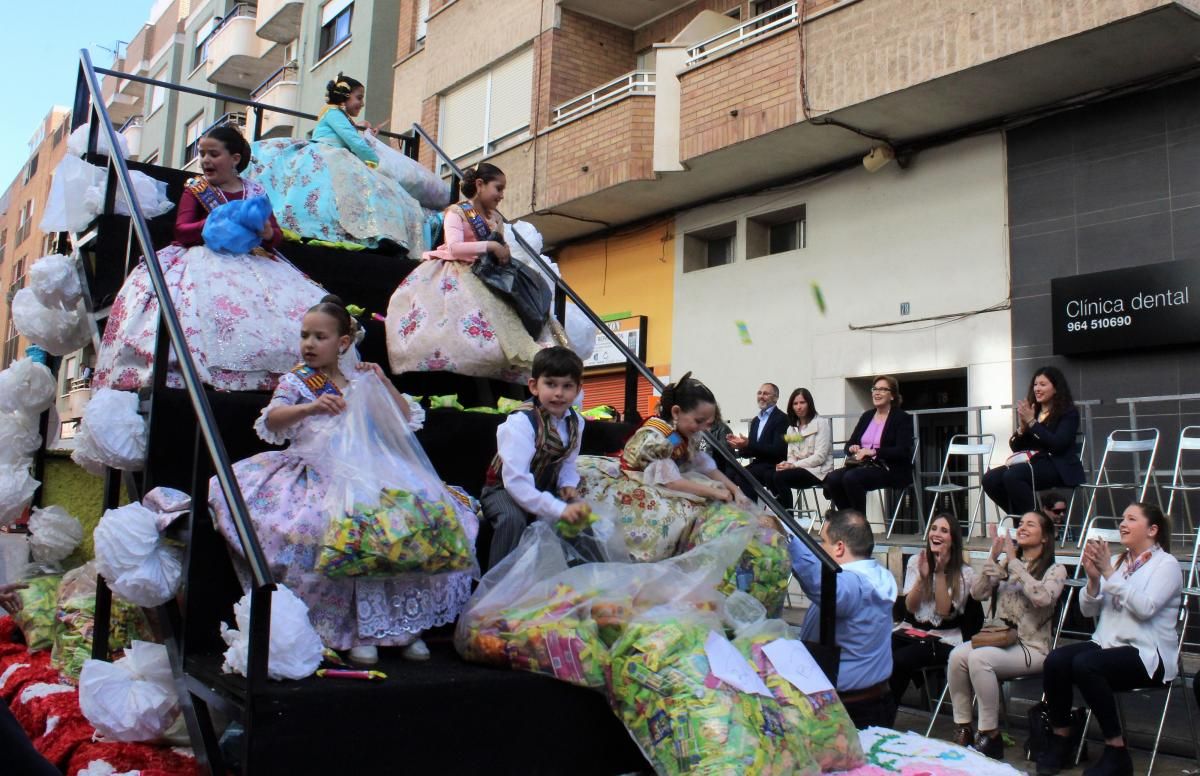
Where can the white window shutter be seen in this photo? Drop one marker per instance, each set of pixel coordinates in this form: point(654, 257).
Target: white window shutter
point(512, 95)
point(332, 9)
point(463, 113)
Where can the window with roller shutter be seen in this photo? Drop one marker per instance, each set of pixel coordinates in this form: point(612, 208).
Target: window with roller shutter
point(481, 114)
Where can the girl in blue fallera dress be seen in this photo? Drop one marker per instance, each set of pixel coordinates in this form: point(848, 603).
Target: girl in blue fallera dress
point(331, 188)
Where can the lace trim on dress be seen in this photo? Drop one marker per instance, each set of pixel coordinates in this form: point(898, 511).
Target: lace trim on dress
point(409, 604)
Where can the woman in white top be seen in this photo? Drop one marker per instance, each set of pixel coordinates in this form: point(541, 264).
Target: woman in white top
point(936, 585)
point(1137, 595)
point(810, 448)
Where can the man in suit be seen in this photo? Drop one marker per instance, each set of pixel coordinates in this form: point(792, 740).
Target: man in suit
point(764, 445)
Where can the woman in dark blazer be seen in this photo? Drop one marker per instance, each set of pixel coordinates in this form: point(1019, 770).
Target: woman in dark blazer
point(1047, 425)
point(878, 453)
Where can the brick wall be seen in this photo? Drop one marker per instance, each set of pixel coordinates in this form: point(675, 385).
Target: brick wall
point(616, 144)
point(429, 122)
point(406, 37)
point(759, 82)
point(585, 53)
point(876, 47)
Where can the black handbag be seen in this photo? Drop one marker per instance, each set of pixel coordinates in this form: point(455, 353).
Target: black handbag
point(520, 286)
point(1040, 731)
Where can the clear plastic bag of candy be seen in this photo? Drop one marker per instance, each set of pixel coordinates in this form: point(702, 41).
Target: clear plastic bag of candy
point(389, 512)
point(764, 569)
point(534, 612)
point(36, 617)
point(684, 718)
point(76, 615)
point(819, 718)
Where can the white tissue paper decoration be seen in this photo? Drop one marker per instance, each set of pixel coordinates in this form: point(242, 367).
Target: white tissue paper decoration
point(57, 330)
point(295, 650)
point(68, 206)
point(112, 433)
point(19, 437)
point(78, 140)
point(581, 332)
point(17, 487)
point(53, 534)
point(55, 281)
point(27, 387)
point(78, 190)
point(132, 699)
point(137, 562)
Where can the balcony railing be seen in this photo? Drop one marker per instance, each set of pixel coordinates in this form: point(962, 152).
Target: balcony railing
point(193, 148)
point(287, 73)
point(760, 26)
point(238, 11)
point(637, 82)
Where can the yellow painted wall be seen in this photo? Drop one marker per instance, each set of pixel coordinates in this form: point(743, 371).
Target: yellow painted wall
point(629, 272)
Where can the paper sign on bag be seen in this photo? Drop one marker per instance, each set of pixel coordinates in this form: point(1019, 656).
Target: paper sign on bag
point(728, 665)
point(795, 663)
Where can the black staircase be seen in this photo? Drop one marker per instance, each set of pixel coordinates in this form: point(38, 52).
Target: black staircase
point(444, 715)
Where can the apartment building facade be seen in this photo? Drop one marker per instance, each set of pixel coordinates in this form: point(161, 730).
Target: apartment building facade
point(859, 147)
point(21, 242)
point(278, 52)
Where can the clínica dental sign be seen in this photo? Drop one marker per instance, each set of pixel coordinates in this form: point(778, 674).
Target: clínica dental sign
point(1121, 309)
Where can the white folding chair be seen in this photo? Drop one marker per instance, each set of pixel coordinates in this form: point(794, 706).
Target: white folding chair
point(1133, 442)
point(962, 446)
point(1189, 441)
point(897, 494)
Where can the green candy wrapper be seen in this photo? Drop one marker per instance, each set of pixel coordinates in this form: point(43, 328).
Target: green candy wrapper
point(36, 615)
point(686, 720)
point(819, 719)
point(764, 569)
point(569, 530)
point(405, 532)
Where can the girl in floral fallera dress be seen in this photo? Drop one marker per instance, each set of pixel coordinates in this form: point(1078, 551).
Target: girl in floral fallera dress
point(239, 311)
point(442, 318)
point(285, 491)
point(663, 480)
point(332, 187)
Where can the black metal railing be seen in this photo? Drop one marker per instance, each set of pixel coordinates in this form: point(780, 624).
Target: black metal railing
point(635, 366)
point(210, 450)
point(408, 142)
point(279, 76)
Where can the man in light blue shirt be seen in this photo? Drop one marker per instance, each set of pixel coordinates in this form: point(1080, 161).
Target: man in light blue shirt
point(866, 592)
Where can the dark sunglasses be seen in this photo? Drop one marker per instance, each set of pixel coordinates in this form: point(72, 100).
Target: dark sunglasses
point(1058, 510)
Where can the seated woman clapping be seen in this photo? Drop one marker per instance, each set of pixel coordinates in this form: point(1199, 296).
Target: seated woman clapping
point(937, 584)
point(1023, 583)
point(1136, 594)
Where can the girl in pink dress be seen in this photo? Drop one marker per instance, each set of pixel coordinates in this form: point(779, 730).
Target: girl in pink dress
point(442, 318)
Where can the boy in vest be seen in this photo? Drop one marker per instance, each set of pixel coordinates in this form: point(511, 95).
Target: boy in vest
point(533, 475)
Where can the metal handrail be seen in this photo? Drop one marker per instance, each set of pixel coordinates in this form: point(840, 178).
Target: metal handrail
point(829, 567)
point(749, 30)
point(275, 78)
point(260, 572)
point(633, 83)
point(258, 106)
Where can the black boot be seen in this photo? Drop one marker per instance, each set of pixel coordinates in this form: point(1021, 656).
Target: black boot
point(1055, 756)
point(1114, 762)
point(991, 746)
